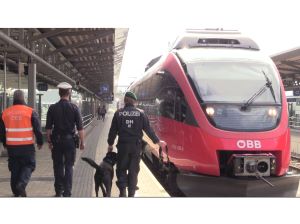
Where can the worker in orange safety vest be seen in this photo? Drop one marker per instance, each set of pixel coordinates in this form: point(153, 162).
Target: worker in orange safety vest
point(18, 126)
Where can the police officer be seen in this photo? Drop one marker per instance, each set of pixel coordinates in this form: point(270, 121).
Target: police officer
point(128, 123)
point(60, 126)
point(18, 125)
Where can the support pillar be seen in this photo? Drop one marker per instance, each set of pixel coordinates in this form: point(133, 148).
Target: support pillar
point(20, 72)
point(4, 82)
point(91, 105)
point(32, 85)
point(40, 106)
point(3, 151)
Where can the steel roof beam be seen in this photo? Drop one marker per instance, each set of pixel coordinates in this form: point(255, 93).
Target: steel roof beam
point(105, 73)
point(91, 53)
point(85, 32)
point(289, 70)
point(86, 72)
point(15, 44)
point(84, 62)
point(73, 73)
point(98, 46)
point(93, 68)
point(99, 65)
point(292, 64)
point(90, 39)
point(104, 57)
point(48, 34)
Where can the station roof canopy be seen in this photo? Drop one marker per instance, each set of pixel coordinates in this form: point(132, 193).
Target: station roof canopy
point(90, 57)
point(288, 64)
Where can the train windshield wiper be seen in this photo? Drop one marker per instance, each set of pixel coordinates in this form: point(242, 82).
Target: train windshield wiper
point(268, 84)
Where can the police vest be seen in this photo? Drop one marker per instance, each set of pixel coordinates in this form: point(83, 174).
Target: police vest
point(17, 121)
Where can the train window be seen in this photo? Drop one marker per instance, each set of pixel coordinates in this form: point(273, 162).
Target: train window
point(166, 100)
point(146, 89)
point(142, 91)
point(136, 91)
point(168, 80)
point(155, 85)
point(180, 106)
point(183, 112)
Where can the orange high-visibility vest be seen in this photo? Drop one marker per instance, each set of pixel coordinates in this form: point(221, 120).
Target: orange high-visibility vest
point(17, 121)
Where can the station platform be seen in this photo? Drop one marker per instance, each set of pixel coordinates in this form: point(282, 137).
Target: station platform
point(42, 180)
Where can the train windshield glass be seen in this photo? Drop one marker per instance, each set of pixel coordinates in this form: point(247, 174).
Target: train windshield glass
point(234, 81)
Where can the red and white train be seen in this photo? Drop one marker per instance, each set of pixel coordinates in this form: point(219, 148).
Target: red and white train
point(219, 104)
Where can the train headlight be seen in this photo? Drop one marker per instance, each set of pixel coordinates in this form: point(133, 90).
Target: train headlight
point(272, 112)
point(210, 111)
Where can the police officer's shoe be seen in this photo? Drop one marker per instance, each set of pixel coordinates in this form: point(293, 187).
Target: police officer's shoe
point(131, 192)
point(58, 194)
point(21, 190)
point(131, 195)
point(123, 192)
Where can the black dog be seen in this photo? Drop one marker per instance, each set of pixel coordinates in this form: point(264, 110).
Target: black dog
point(104, 173)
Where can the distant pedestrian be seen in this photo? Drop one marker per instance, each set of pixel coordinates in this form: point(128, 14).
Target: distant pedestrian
point(62, 118)
point(18, 126)
point(129, 123)
point(103, 112)
point(99, 112)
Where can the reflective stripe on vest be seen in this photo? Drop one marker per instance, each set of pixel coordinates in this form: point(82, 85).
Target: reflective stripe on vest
point(18, 129)
point(17, 121)
point(19, 139)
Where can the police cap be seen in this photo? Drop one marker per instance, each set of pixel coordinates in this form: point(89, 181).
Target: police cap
point(64, 85)
point(130, 95)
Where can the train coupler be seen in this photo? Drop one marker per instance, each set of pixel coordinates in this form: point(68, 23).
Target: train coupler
point(258, 165)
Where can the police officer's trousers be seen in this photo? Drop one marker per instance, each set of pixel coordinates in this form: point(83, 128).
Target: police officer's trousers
point(128, 166)
point(21, 168)
point(63, 155)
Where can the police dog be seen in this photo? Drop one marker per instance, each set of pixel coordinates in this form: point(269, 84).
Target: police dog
point(104, 173)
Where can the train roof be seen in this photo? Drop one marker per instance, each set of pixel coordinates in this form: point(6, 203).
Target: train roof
point(214, 38)
point(221, 54)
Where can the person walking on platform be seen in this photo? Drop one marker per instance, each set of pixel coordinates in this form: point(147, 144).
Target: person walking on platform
point(60, 126)
point(129, 123)
point(18, 126)
point(99, 112)
point(103, 112)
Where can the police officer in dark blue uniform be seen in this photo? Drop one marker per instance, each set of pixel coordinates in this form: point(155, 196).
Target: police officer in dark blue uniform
point(18, 124)
point(129, 123)
point(60, 125)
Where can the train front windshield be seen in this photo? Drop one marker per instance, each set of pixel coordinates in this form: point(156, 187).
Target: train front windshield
point(238, 95)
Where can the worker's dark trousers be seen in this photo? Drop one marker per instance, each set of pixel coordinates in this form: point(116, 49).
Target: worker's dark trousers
point(21, 168)
point(63, 155)
point(128, 159)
